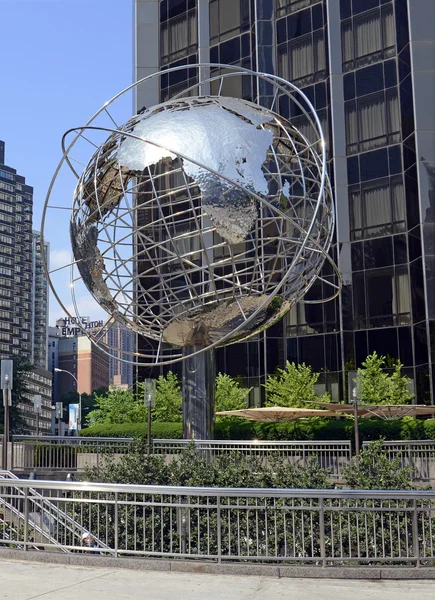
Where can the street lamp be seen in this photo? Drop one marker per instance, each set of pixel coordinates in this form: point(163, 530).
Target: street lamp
point(79, 424)
point(149, 400)
point(7, 368)
point(355, 397)
point(37, 409)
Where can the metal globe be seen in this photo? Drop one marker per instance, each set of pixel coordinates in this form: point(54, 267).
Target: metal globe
point(201, 221)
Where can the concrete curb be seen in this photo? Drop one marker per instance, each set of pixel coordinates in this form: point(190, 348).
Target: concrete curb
point(184, 566)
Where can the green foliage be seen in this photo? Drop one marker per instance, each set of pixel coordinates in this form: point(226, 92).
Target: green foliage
point(117, 406)
point(172, 431)
point(292, 386)
point(374, 470)
point(202, 520)
point(16, 423)
point(125, 406)
point(191, 468)
point(407, 428)
point(168, 399)
point(88, 401)
point(384, 387)
point(135, 467)
point(229, 396)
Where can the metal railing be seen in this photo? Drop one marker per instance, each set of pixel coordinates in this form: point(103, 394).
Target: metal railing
point(42, 516)
point(330, 455)
point(62, 453)
point(282, 526)
point(13, 520)
point(419, 455)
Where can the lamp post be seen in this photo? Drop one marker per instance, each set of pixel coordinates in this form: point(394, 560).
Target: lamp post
point(79, 424)
point(355, 397)
point(7, 367)
point(149, 400)
point(37, 409)
point(59, 414)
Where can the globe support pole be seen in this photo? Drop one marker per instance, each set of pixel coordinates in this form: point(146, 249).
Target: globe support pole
point(198, 394)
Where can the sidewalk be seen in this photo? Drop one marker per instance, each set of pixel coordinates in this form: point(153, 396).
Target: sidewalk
point(28, 581)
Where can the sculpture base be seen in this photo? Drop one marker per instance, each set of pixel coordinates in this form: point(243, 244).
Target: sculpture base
point(198, 394)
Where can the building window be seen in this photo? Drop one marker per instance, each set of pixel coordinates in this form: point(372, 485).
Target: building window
point(7, 175)
point(377, 208)
point(303, 60)
point(178, 37)
point(383, 300)
point(388, 297)
point(368, 38)
point(372, 121)
point(284, 7)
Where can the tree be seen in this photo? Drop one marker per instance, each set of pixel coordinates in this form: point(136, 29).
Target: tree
point(229, 394)
point(126, 406)
point(88, 401)
point(380, 386)
point(117, 406)
point(375, 470)
point(168, 399)
point(16, 422)
point(292, 386)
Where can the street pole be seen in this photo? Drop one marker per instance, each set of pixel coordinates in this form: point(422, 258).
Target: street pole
point(5, 427)
point(37, 407)
point(59, 414)
point(356, 425)
point(355, 397)
point(149, 431)
point(149, 399)
point(79, 421)
point(6, 383)
point(79, 416)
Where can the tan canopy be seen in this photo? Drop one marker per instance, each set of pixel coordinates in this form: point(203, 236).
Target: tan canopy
point(276, 413)
point(383, 411)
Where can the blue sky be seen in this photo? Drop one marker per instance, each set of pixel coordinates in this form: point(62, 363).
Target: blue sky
point(61, 60)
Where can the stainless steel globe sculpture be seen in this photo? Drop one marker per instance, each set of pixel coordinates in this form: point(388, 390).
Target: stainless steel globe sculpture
point(201, 221)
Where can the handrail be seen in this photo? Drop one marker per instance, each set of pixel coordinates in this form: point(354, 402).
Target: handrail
point(282, 526)
point(161, 490)
point(389, 443)
point(66, 438)
point(10, 507)
point(69, 523)
point(253, 443)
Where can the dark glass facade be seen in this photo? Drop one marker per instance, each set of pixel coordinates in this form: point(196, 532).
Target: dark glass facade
point(364, 73)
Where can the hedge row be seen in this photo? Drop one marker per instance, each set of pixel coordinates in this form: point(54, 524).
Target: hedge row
point(407, 428)
point(172, 431)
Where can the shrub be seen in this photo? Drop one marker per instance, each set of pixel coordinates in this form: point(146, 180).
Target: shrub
point(159, 430)
point(192, 468)
point(380, 386)
point(428, 429)
point(374, 470)
point(292, 386)
point(312, 429)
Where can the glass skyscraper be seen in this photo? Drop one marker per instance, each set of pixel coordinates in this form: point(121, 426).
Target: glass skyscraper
point(368, 68)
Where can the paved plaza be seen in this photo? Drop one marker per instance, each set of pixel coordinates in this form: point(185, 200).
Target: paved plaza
point(28, 581)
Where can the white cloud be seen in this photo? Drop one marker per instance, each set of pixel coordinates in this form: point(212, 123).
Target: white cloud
point(60, 258)
point(87, 307)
